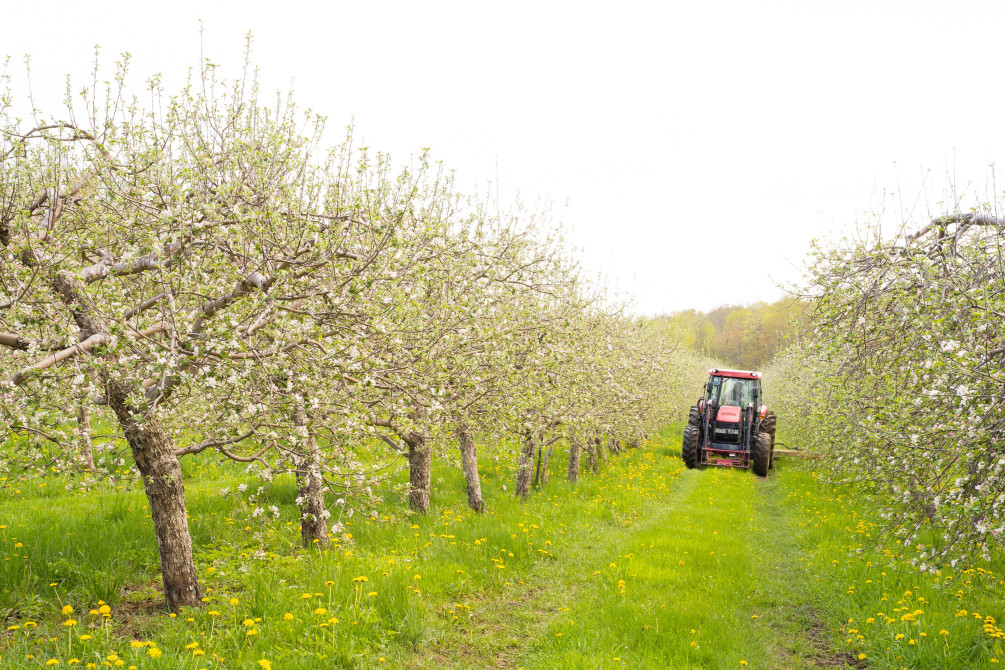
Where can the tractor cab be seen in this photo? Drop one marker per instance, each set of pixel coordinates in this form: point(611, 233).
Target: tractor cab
point(731, 391)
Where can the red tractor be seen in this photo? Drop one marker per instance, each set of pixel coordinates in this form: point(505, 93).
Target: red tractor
point(730, 426)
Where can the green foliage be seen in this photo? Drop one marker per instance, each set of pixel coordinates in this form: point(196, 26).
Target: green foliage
point(744, 337)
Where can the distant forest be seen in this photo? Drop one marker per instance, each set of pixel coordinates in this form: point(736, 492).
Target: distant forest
point(742, 336)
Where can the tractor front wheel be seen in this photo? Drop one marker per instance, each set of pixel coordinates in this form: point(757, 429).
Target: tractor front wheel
point(689, 448)
point(760, 452)
point(694, 417)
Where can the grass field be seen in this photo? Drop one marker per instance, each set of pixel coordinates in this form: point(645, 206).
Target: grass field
point(642, 565)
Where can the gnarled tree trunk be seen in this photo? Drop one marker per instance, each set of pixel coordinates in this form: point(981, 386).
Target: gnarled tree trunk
point(469, 463)
point(155, 458)
point(544, 465)
point(420, 464)
point(310, 484)
point(420, 471)
point(575, 450)
point(601, 450)
point(592, 446)
point(525, 468)
point(161, 471)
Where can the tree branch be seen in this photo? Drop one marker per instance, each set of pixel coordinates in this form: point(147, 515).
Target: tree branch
point(195, 449)
point(69, 352)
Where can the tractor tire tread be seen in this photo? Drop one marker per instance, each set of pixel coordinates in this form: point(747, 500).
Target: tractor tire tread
point(693, 417)
point(761, 454)
point(689, 447)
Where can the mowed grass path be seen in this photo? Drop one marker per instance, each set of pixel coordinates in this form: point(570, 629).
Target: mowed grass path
point(701, 573)
point(641, 565)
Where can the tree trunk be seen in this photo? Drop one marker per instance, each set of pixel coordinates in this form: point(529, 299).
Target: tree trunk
point(155, 458)
point(525, 469)
point(310, 484)
point(420, 471)
point(420, 464)
point(601, 449)
point(84, 434)
point(469, 462)
point(544, 464)
point(575, 451)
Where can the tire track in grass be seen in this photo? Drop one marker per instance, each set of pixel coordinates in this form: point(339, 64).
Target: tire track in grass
point(739, 596)
point(799, 637)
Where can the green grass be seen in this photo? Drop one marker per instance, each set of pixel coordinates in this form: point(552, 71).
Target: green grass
point(642, 565)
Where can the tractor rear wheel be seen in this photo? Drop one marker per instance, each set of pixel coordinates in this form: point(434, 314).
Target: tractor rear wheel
point(689, 448)
point(693, 417)
point(760, 452)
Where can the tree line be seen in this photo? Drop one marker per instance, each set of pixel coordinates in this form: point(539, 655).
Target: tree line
point(203, 273)
point(741, 336)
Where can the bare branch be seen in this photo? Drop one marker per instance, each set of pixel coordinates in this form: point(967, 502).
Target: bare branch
point(69, 352)
point(143, 306)
point(203, 446)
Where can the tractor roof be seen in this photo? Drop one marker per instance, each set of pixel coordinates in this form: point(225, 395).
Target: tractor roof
point(737, 374)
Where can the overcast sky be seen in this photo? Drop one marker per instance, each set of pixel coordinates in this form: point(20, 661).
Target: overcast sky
point(699, 146)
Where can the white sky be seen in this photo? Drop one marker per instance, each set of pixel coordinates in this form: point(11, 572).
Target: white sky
point(683, 135)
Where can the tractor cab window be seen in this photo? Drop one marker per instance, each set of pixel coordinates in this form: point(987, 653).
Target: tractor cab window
point(729, 391)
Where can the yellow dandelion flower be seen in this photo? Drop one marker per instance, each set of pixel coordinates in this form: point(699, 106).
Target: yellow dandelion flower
point(154, 652)
point(67, 610)
point(288, 616)
point(266, 665)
